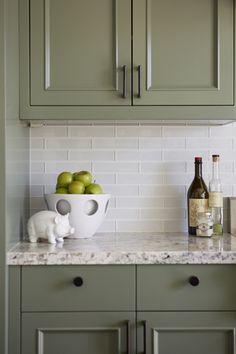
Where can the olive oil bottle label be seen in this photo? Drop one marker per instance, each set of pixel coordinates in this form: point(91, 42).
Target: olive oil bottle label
point(215, 199)
point(196, 206)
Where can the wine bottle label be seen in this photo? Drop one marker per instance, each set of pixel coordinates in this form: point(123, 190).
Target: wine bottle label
point(196, 206)
point(215, 199)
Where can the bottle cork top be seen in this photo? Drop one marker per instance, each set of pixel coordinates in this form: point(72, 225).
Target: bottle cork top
point(215, 158)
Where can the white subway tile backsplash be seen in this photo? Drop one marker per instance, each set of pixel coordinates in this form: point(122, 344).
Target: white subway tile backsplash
point(163, 214)
point(206, 143)
point(48, 155)
point(45, 132)
point(150, 155)
point(68, 144)
point(50, 188)
point(162, 191)
point(43, 179)
point(175, 225)
point(37, 143)
point(36, 191)
point(150, 143)
point(176, 143)
point(86, 155)
point(139, 178)
point(115, 143)
point(175, 202)
point(185, 131)
point(140, 202)
point(118, 190)
point(224, 131)
point(184, 155)
point(115, 166)
point(37, 203)
point(138, 155)
point(140, 226)
point(178, 178)
point(228, 190)
point(107, 226)
point(163, 167)
point(93, 131)
point(146, 168)
point(57, 167)
point(104, 178)
point(37, 167)
point(141, 131)
point(122, 214)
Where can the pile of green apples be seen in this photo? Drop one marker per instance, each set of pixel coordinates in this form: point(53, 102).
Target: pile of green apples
point(77, 183)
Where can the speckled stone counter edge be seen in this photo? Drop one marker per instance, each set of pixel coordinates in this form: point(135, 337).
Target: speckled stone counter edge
point(128, 248)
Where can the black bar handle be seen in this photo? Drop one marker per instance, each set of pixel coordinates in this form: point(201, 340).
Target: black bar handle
point(144, 337)
point(124, 94)
point(128, 336)
point(139, 81)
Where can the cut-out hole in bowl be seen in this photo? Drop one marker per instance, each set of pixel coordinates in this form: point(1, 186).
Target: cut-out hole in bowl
point(106, 206)
point(91, 207)
point(63, 207)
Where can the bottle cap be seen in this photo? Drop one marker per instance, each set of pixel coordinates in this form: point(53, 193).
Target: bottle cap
point(198, 159)
point(215, 158)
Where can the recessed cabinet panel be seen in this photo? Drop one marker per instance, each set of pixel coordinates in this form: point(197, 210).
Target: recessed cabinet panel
point(184, 49)
point(76, 52)
point(73, 333)
point(186, 333)
point(78, 288)
point(186, 287)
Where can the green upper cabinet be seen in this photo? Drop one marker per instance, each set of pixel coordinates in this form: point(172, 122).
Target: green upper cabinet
point(183, 52)
point(127, 59)
point(79, 52)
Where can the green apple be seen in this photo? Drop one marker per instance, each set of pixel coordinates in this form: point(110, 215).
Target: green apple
point(61, 190)
point(83, 176)
point(76, 187)
point(93, 188)
point(64, 179)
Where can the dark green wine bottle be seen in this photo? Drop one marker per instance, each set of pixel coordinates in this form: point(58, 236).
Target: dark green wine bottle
point(197, 197)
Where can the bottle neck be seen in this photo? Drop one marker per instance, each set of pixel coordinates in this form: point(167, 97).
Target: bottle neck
point(215, 170)
point(198, 170)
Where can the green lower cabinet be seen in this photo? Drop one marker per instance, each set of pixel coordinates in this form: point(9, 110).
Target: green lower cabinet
point(78, 333)
point(155, 310)
point(186, 332)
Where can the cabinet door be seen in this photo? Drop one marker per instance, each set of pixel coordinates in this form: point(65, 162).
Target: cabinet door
point(185, 51)
point(77, 333)
point(186, 332)
point(77, 52)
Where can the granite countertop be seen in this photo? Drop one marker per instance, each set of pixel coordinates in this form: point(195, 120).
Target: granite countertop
point(128, 248)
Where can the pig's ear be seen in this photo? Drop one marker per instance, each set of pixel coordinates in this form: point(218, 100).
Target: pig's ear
point(57, 219)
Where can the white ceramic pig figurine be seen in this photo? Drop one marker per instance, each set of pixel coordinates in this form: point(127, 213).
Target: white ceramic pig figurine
point(49, 225)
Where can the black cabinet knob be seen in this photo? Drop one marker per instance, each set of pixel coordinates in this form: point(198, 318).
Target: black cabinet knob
point(78, 281)
point(194, 281)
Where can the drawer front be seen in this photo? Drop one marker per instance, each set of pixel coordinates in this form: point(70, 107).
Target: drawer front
point(103, 288)
point(168, 287)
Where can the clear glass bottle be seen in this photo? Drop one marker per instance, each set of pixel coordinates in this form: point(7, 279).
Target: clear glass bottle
point(216, 197)
point(204, 224)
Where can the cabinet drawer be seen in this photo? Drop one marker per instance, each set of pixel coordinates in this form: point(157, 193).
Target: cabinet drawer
point(52, 288)
point(167, 287)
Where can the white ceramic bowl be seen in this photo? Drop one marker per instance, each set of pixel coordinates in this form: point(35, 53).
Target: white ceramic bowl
point(87, 211)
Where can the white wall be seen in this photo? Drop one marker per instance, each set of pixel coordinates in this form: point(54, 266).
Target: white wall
point(146, 168)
